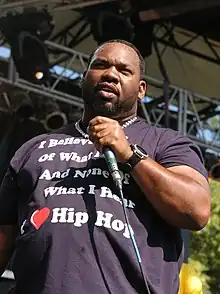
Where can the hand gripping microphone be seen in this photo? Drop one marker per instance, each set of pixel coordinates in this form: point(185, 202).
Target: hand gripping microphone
point(112, 166)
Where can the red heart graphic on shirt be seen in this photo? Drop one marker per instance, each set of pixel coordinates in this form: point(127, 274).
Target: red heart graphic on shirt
point(39, 217)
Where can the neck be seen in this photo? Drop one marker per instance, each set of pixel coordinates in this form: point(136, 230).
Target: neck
point(88, 116)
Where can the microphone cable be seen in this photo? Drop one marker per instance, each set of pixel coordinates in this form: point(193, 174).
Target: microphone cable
point(116, 176)
point(133, 240)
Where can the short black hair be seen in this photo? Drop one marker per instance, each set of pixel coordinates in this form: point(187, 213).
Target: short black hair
point(141, 59)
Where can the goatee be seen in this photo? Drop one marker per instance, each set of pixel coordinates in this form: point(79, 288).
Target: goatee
point(107, 109)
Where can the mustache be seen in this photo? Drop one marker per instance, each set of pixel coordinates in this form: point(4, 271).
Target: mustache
point(107, 86)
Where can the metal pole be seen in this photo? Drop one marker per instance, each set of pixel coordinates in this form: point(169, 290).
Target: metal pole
point(180, 111)
point(165, 84)
point(82, 4)
point(12, 75)
point(185, 109)
point(73, 100)
point(147, 117)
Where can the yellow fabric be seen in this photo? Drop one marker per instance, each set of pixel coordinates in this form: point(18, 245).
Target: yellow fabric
point(189, 282)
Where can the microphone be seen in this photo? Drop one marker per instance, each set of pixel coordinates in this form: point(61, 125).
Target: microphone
point(112, 166)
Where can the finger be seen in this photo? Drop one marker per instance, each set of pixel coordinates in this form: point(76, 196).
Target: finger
point(98, 120)
point(96, 143)
point(102, 133)
point(98, 128)
point(95, 137)
point(107, 141)
point(97, 146)
point(103, 142)
point(99, 139)
point(92, 138)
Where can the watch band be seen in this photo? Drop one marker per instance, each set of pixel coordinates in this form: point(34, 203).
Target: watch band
point(138, 154)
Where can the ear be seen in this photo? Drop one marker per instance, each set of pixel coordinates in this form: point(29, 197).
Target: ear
point(82, 79)
point(142, 89)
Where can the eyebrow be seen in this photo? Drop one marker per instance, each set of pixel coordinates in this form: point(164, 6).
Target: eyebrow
point(100, 59)
point(119, 63)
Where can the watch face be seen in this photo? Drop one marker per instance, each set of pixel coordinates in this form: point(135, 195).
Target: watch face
point(138, 154)
point(139, 151)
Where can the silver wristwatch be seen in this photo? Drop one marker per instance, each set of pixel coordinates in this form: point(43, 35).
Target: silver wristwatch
point(138, 154)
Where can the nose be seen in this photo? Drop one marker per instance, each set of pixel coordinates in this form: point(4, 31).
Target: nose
point(110, 75)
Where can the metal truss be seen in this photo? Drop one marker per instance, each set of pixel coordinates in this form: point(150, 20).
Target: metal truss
point(189, 113)
point(69, 37)
point(167, 34)
point(11, 6)
point(10, 77)
point(176, 9)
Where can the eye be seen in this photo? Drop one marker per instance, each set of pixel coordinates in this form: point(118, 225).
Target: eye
point(99, 64)
point(126, 71)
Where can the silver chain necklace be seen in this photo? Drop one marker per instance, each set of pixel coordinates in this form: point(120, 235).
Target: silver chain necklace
point(86, 136)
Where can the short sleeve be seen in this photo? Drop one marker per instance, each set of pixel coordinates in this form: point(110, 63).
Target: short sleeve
point(174, 149)
point(10, 188)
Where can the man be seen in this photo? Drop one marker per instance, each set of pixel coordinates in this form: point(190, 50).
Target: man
point(60, 201)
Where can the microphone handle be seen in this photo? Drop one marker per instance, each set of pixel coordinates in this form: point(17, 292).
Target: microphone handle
point(112, 165)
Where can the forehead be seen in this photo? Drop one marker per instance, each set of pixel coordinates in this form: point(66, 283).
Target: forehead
point(117, 53)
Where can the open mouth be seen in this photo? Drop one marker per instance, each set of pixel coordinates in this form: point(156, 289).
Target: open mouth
point(106, 90)
point(107, 94)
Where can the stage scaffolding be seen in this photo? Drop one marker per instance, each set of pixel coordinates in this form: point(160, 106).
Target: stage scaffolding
point(189, 111)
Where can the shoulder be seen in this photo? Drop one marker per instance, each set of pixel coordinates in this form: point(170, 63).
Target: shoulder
point(169, 147)
point(25, 151)
point(160, 136)
point(151, 137)
point(150, 131)
point(169, 139)
point(174, 149)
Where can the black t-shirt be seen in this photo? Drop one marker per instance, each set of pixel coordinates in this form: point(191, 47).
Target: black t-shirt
point(73, 236)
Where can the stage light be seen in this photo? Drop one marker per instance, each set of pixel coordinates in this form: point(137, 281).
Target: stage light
point(113, 25)
point(39, 75)
point(31, 58)
point(26, 33)
point(54, 117)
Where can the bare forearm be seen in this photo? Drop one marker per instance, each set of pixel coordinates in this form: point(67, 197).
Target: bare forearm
point(178, 199)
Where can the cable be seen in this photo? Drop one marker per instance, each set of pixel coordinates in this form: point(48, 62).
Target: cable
point(116, 176)
point(133, 241)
